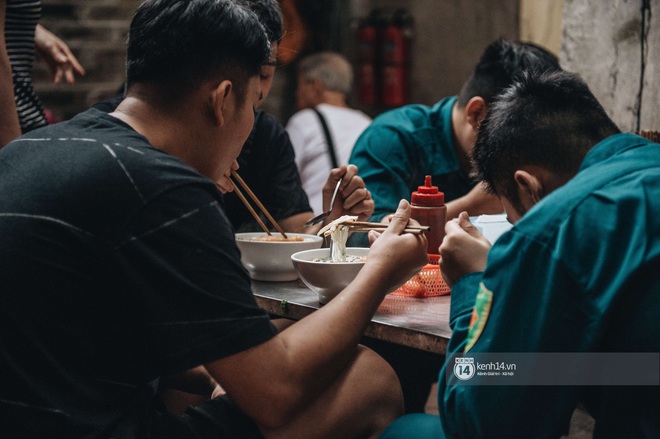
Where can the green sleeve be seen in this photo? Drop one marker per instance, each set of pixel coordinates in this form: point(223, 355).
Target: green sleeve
point(533, 310)
point(384, 156)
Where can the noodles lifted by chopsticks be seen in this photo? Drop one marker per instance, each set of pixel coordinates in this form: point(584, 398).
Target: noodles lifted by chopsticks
point(339, 228)
point(354, 225)
point(338, 231)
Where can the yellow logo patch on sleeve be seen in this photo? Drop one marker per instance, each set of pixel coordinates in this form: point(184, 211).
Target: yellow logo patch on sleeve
point(480, 314)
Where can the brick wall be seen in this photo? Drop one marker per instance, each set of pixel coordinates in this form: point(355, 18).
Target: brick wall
point(95, 30)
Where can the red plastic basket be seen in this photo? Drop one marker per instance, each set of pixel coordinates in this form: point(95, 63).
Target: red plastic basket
point(427, 283)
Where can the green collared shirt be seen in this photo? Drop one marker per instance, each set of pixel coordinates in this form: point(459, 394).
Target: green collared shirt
point(578, 273)
point(401, 147)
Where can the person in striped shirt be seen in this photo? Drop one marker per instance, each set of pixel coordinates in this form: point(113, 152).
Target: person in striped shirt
point(22, 38)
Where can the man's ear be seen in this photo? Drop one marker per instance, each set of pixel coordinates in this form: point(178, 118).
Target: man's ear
point(218, 100)
point(475, 111)
point(530, 188)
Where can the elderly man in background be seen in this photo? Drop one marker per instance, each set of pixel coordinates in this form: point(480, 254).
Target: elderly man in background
point(325, 129)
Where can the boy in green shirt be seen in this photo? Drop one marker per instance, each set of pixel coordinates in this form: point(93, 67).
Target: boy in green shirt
point(576, 274)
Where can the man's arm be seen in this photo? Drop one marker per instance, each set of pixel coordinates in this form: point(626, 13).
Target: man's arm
point(522, 312)
point(353, 198)
point(302, 361)
point(476, 202)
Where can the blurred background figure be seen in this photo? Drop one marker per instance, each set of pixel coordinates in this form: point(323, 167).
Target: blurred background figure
point(267, 165)
point(325, 128)
point(22, 39)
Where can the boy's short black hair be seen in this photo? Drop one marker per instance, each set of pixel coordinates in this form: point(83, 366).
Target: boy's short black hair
point(500, 63)
point(546, 119)
point(178, 44)
point(270, 15)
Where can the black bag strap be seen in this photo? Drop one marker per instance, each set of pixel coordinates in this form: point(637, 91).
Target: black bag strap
point(328, 139)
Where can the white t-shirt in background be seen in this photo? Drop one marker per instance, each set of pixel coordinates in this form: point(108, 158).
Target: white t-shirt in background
point(308, 140)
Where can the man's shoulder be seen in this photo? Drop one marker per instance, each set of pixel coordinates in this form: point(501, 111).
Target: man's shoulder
point(264, 119)
point(267, 129)
point(415, 114)
point(353, 115)
point(100, 147)
point(301, 118)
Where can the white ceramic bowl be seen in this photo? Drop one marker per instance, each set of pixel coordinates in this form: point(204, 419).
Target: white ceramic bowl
point(327, 279)
point(271, 260)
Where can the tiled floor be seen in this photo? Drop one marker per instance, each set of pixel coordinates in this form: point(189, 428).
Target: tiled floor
point(582, 425)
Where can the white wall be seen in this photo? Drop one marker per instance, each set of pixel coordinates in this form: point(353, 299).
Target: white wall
point(601, 41)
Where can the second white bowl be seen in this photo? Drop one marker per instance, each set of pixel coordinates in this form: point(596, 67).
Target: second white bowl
point(327, 279)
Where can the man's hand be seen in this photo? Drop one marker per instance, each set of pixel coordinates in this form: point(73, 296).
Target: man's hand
point(353, 197)
point(398, 255)
point(224, 183)
point(464, 249)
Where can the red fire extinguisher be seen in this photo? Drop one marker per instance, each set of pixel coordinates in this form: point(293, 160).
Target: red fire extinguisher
point(366, 37)
point(395, 54)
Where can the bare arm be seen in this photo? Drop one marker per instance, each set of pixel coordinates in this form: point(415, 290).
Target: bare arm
point(352, 199)
point(476, 202)
point(196, 381)
point(10, 127)
point(299, 363)
point(55, 52)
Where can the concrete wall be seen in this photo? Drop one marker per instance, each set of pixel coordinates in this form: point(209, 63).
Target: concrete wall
point(540, 23)
point(602, 41)
point(449, 36)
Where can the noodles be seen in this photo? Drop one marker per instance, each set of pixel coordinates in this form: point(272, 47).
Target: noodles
point(338, 236)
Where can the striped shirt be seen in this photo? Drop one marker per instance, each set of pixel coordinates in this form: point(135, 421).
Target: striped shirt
point(21, 19)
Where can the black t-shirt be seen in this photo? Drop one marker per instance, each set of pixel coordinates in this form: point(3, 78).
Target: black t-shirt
point(118, 265)
point(267, 164)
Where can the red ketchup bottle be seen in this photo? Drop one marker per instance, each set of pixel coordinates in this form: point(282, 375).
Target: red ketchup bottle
point(428, 208)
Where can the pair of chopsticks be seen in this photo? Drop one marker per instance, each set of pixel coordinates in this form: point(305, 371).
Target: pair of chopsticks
point(247, 189)
point(362, 226)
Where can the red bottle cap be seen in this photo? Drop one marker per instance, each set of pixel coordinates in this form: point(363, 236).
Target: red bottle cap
point(428, 195)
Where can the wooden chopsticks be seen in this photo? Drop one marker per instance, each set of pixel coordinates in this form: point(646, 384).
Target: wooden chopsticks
point(362, 226)
point(247, 189)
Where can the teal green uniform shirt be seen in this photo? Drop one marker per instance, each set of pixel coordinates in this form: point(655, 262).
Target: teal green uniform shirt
point(580, 272)
point(401, 147)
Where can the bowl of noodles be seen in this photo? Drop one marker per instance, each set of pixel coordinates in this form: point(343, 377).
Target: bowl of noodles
point(325, 276)
point(268, 257)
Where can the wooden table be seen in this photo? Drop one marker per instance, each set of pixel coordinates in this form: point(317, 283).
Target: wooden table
point(420, 323)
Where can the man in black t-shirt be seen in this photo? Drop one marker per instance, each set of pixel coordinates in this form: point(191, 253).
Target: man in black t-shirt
point(267, 161)
point(119, 266)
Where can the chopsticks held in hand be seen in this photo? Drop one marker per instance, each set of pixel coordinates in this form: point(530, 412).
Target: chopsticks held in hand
point(241, 182)
point(361, 226)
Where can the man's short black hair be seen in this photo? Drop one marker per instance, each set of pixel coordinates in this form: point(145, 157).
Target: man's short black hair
point(270, 15)
point(499, 64)
point(178, 44)
point(550, 120)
